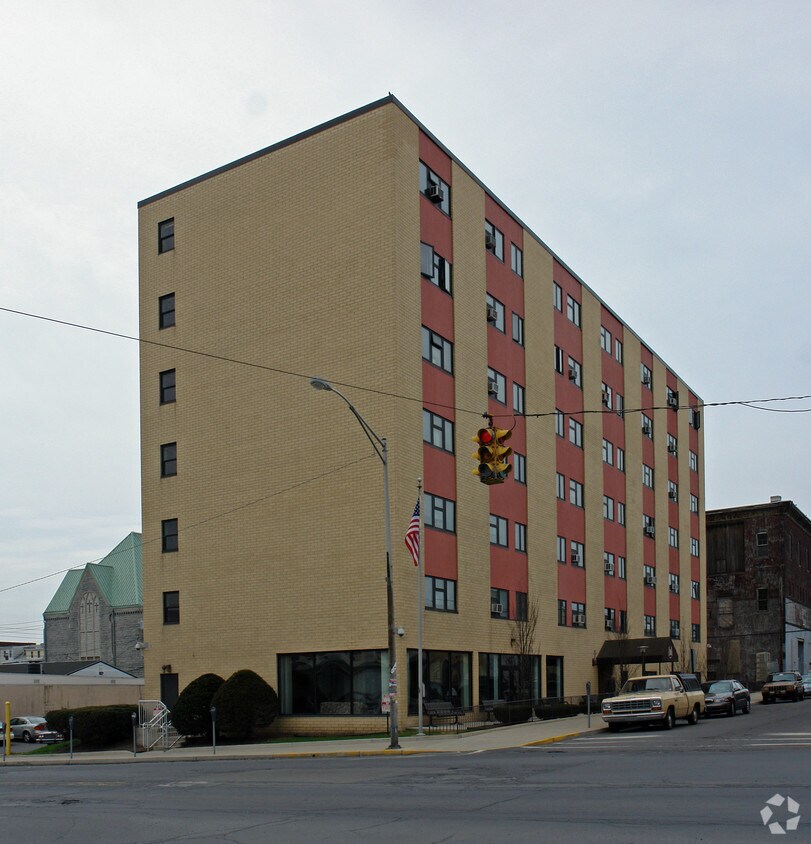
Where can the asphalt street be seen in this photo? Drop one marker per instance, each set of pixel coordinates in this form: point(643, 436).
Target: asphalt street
point(703, 783)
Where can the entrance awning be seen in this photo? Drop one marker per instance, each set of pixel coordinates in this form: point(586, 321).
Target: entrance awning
point(629, 651)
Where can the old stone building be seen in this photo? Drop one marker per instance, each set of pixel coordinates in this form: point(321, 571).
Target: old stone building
point(758, 590)
point(97, 612)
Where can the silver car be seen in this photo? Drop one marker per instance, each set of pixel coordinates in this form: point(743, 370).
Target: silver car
point(807, 684)
point(31, 728)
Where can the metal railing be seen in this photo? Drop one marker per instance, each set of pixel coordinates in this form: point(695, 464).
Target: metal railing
point(156, 729)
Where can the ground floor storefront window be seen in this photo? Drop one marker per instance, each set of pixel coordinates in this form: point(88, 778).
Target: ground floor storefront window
point(509, 677)
point(554, 676)
point(333, 683)
point(446, 675)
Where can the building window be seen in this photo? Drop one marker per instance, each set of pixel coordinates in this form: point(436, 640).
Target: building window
point(578, 614)
point(647, 476)
point(575, 372)
point(673, 537)
point(516, 260)
point(562, 614)
point(695, 590)
point(608, 452)
point(610, 619)
point(166, 311)
point(675, 628)
point(437, 350)
point(495, 313)
point(694, 546)
point(578, 554)
point(493, 240)
point(649, 576)
point(674, 583)
point(762, 599)
point(605, 339)
point(575, 432)
point(607, 394)
point(647, 426)
point(518, 329)
point(169, 541)
point(561, 486)
point(440, 513)
point(496, 386)
point(557, 297)
point(171, 607)
point(618, 351)
point(621, 459)
point(623, 622)
point(437, 431)
point(762, 538)
point(521, 606)
point(672, 445)
point(672, 490)
point(440, 594)
point(573, 310)
point(435, 268)
point(561, 549)
point(608, 508)
point(166, 235)
point(648, 526)
point(519, 468)
point(435, 189)
point(609, 566)
point(558, 360)
point(499, 603)
point(168, 460)
point(619, 404)
point(672, 398)
point(621, 568)
point(89, 627)
point(621, 513)
point(646, 376)
point(520, 537)
point(560, 423)
point(575, 493)
point(693, 461)
point(168, 392)
point(693, 503)
point(650, 625)
point(695, 418)
point(498, 530)
point(518, 398)
point(695, 632)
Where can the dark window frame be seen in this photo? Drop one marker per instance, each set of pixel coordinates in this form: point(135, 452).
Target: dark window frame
point(166, 235)
point(168, 460)
point(166, 311)
point(170, 542)
point(171, 607)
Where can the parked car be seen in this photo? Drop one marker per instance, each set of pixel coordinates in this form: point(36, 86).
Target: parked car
point(726, 696)
point(807, 684)
point(31, 728)
point(783, 684)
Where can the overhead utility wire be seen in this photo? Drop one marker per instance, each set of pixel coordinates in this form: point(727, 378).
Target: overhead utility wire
point(279, 371)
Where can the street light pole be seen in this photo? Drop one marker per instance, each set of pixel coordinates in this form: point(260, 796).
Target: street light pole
point(381, 449)
point(643, 649)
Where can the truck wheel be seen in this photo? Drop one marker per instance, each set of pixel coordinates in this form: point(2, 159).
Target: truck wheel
point(693, 717)
point(670, 720)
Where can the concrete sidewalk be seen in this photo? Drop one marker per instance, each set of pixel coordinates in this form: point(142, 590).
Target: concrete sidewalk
point(474, 741)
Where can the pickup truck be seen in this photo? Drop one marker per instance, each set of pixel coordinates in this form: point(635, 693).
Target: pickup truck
point(658, 699)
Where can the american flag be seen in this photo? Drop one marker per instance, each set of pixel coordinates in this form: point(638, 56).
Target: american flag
point(412, 535)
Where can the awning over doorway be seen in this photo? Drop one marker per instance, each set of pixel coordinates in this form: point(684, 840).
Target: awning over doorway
point(629, 651)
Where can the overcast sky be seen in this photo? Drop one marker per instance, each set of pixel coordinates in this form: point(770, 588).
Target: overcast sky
point(661, 149)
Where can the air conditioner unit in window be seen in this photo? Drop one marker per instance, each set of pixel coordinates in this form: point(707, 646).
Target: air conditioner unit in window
point(673, 495)
point(674, 588)
point(650, 580)
point(646, 380)
point(489, 240)
point(575, 559)
point(646, 431)
point(497, 608)
point(609, 568)
point(492, 314)
point(435, 194)
point(673, 401)
point(579, 619)
point(609, 625)
point(492, 388)
point(648, 530)
point(572, 374)
point(672, 449)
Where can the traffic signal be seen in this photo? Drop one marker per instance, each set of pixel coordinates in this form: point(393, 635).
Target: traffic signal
point(492, 455)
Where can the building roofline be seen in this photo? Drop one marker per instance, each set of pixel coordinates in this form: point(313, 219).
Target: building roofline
point(383, 101)
point(789, 506)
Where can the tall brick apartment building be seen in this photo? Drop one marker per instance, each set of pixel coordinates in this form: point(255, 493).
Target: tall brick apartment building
point(759, 590)
point(365, 253)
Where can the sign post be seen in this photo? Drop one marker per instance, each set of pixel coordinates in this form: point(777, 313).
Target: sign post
point(588, 702)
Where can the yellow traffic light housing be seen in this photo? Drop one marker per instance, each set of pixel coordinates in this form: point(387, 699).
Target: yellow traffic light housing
point(492, 455)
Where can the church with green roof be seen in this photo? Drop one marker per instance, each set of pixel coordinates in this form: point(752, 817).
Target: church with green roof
point(97, 612)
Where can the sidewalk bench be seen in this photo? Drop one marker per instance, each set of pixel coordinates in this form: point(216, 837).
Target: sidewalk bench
point(443, 709)
point(489, 705)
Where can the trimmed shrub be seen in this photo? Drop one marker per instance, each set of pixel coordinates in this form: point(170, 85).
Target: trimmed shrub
point(95, 726)
point(556, 709)
point(512, 713)
point(245, 703)
point(191, 714)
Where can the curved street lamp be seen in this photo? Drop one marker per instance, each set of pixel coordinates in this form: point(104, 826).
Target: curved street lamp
point(381, 450)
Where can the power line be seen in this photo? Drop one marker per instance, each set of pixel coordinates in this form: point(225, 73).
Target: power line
point(279, 371)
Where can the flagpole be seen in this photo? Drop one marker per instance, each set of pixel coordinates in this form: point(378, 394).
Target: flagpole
point(420, 608)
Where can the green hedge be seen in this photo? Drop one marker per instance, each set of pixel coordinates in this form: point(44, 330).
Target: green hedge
point(245, 703)
point(191, 714)
point(512, 713)
point(94, 726)
point(557, 709)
